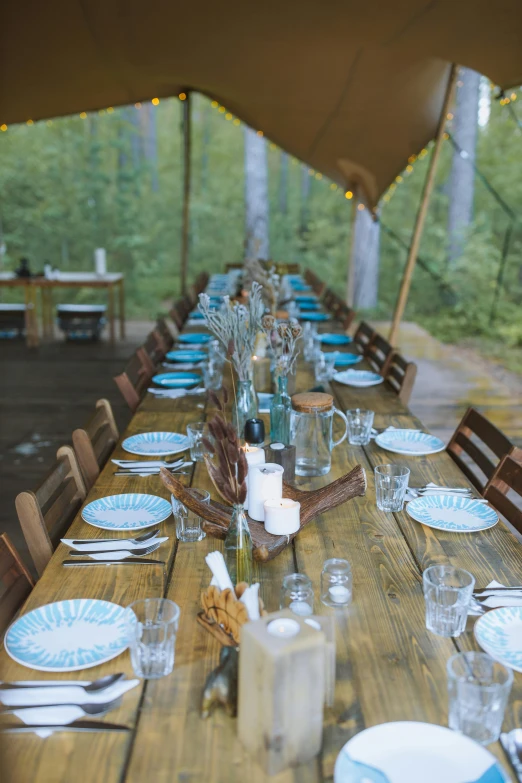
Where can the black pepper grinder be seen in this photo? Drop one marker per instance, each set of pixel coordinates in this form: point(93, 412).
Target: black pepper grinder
point(254, 432)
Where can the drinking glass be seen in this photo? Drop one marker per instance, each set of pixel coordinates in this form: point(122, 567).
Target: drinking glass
point(478, 692)
point(152, 624)
point(212, 375)
point(188, 523)
point(336, 583)
point(391, 483)
point(196, 433)
point(297, 594)
point(325, 366)
point(447, 592)
point(359, 426)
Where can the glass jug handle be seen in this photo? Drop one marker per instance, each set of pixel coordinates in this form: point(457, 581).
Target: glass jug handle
point(343, 417)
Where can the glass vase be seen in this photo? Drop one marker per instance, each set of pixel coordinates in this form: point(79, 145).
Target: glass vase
point(280, 413)
point(238, 547)
point(245, 406)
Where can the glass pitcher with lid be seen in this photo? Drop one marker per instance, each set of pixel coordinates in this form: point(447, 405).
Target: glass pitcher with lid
point(311, 432)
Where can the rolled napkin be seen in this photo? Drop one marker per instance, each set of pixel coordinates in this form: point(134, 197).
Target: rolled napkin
point(221, 577)
point(251, 600)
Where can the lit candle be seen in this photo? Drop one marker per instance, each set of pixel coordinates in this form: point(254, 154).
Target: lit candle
point(264, 483)
point(301, 608)
point(254, 456)
point(339, 594)
point(282, 516)
point(284, 628)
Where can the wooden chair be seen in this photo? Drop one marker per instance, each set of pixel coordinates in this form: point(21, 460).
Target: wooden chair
point(94, 444)
point(15, 582)
point(507, 477)
point(155, 347)
point(46, 514)
point(379, 353)
point(345, 315)
point(135, 378)
point(477, 446)
point(363, 336)
point(401, 376)
point(316, 282)
point(166, 332)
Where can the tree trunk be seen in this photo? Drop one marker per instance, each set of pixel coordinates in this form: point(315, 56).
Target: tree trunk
point(462, 178)
point(283, 183)
point(257, 244)
point(149, 140)
point(207, 119)
point(365, 260)
point(305, 195)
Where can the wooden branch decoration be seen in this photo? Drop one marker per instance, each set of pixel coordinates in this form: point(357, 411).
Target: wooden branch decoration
point(216, 516)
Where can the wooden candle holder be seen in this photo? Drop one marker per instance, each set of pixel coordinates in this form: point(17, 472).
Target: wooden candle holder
point(216, 516)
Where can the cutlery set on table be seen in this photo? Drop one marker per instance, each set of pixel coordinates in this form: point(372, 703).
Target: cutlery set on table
point(129, 467)
point(112, 551)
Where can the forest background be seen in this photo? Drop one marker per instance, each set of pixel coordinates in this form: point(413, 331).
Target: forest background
point(113, 179)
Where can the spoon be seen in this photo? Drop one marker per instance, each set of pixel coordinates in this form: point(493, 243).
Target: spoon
point(93, 687)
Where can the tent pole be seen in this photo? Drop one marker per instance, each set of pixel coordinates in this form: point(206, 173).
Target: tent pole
point(351, 258)
point(186, 131)
point(423, 210)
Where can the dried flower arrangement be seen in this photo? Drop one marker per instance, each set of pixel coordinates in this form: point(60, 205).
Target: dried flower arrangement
point(287, 334)
point(268, 278)
point(236, 327)
point(229, 472)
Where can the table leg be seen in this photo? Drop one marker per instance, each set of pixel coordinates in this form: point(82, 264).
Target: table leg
point(31, 323)
point(111, 313)
point(121, 309)
point(50, 312)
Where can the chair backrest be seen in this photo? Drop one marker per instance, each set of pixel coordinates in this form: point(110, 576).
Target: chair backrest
point(47, 513)
point(180, 311)
point(201, 281)
point(15, 582)
point(477, 446)
point(155, 347)
point(94, 444)
point(379, 353)
point(507, 477)
point(135, 378)
point(401, 376)
point(363, 336)
point(165, 331)
point(316, 282)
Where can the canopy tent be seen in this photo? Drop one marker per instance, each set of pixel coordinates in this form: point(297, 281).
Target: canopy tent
point(351, 88)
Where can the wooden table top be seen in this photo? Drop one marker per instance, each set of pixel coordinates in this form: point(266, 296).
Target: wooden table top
point(389, 667)
point(68, 279)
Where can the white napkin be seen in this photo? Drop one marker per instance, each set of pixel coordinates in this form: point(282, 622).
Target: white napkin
point(392, 429)
point(180, 366)
point(173, 394)
point(495, 601)
point(151, 463)
point(64, 693)
point(114, 546)
point(435, 489)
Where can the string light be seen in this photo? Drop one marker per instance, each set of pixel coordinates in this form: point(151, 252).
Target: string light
point(83, 115)
point(348, 194)
point(445, 136)
point(101, 112)
point(237, 122)
point(273, 146)
point(409, 169)
point(214, 104)
point(333, 186)
point(318, 175)
point(137, 105)
point(412, 159)
point(183, 97)
point(221, 109)
point(49, 123)
point(311, 172)
point(449, 116)
point(3, 127)
point(260, 133)
point(513, 96)
point(110, 109)
point(155, 101)
point(228, 116)
point(398, 178)
point(29, 122)
point(360, 207)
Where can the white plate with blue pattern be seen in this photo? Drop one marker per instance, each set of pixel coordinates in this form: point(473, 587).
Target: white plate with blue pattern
point(359, 378)
point(414, 752)
point(452, 512)
point(409, 442)
point(499, 633)
point(132, 511)
point(156, 444)
point(68, 635)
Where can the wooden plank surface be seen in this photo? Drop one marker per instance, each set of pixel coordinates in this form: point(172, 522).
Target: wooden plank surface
point(388, 666)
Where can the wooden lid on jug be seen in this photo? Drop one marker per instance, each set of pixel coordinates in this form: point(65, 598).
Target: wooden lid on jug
point(312, 402)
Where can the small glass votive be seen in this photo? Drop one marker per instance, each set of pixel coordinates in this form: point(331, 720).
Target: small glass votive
point(478, 692)
point(391, 483)
point(325, 366)
point(152, 625)
point(447, 592)
point(212, 375)
point(297, 594)
point(188, 523)
point(360, 425)
point(196, 433)
point(336, 583)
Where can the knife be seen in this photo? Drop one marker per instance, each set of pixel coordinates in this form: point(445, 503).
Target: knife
point(127, 561)
point(144, 474)
point(79, 725)
point(74, 541)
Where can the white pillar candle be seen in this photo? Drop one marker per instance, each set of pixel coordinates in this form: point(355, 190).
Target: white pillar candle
point(264, 483)
point(284, 628)
point(282, 516)
point(254, 456)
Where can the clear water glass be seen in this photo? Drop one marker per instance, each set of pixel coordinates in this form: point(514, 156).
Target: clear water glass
point(478, 692)
point(297, 594)
point(212, 375)
point(325, 366)
point(336, 583)
point(360, 425)
point(152, 625)
point(309, 333)
point(196, 432)
point(391, 483)
point(447, 592)
point(188, 523)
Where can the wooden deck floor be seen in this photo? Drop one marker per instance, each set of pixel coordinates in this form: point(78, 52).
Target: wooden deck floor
point(48, 392)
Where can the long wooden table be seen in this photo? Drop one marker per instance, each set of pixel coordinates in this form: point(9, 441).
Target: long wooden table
point(389, 667)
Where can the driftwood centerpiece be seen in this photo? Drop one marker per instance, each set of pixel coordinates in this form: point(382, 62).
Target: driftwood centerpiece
point(216, 516)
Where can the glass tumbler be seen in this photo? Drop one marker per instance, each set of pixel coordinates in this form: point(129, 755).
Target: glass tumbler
point(336, 583)
point(478, 692)
point(297, 594)
point(212, 375)
point(188, 523)
point(391, 483)
point(360, 425)
point(152, 625)
point(325, 366)
point(447, 592)
point(196, 433)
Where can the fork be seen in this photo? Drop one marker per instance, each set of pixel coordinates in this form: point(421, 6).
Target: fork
point(59, 713)
point(117, 554)
point(136, 540)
